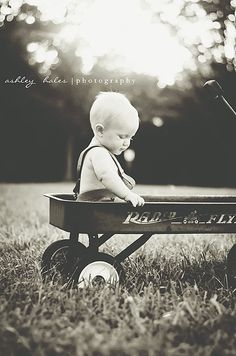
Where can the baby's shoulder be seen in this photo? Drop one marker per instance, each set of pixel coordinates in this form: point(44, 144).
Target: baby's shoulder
point(98, 152)
point(100, 158)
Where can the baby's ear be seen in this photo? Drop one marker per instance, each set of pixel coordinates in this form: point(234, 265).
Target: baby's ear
point(99, 129)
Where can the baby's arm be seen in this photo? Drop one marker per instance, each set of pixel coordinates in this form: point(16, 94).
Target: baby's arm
point(106, 172)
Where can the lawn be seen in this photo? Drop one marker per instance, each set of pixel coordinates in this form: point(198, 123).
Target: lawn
point(175, 300)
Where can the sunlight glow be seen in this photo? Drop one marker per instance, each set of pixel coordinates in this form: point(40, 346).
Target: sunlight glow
point(141, 46)
point(156, 38)
point(134, 41)
point(51, 10)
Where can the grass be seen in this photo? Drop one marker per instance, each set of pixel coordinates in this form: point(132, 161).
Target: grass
point(175, 299)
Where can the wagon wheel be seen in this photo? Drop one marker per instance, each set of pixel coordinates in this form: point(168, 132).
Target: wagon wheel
point(98, 270)
point(231, 266)
point(59, 260)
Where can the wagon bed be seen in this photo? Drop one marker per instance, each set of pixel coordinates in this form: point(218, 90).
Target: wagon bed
point(160, 214)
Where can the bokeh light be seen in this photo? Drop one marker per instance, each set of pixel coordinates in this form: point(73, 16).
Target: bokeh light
point(129, 155)
point(157, 121)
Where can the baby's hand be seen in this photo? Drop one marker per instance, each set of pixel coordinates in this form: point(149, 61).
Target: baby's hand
point(135, 199)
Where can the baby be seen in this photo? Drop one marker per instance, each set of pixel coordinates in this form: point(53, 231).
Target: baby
point(114, 122)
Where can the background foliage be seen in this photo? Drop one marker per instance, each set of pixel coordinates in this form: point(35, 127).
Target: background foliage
point(44, 127)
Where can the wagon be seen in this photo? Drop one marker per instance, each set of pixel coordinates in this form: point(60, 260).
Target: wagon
point(100, 220)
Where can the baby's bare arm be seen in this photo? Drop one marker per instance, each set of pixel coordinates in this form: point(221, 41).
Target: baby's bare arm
point(106, 172)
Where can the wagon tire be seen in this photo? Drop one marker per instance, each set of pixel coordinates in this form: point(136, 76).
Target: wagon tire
point(99, 269)
point(231, 266)
point(60, 259)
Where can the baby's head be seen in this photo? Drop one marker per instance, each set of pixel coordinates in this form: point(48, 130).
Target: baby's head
point(114, 121)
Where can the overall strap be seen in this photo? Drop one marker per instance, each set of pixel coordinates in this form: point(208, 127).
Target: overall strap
point(120, 170)
point(80, 165)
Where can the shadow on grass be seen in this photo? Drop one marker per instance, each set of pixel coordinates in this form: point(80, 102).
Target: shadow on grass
point(163, 273)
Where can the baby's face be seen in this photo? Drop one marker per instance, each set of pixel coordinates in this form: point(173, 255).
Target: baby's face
point(118, 134)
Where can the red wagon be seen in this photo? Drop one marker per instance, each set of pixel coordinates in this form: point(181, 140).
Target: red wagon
point(101, 220)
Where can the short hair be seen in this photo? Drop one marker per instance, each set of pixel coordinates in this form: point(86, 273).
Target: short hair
point(107, 106)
